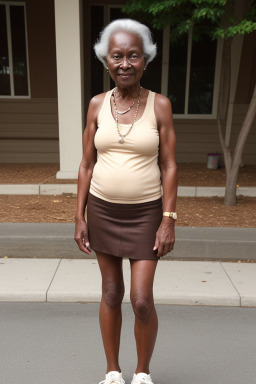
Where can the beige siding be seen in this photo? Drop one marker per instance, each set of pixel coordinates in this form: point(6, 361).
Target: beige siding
point(29, 131)
point(249, 156)
point(197, 138)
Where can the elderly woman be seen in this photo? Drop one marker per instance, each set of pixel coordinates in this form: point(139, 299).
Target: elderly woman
point(128, 181)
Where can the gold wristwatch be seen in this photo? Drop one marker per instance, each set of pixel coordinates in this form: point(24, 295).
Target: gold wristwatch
point(171, 214)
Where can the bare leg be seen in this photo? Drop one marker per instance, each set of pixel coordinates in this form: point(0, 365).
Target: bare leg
point(110, 308)
point(146, 321)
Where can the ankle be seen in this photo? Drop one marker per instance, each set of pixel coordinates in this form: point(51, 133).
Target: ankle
point(143, 369)
point(113, 368)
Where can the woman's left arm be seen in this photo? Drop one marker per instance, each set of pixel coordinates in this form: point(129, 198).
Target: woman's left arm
point(165, 236)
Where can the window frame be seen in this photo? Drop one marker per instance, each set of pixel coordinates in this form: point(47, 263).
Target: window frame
point(165, 74)
point(9, 42)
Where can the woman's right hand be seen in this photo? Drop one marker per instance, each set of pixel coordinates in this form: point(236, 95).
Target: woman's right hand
point(81, 236)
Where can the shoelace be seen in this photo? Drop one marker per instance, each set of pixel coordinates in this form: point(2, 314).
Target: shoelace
point(113, 380)
point(142, 381)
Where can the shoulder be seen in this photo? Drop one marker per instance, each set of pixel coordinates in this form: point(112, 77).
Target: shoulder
point(95, 105)
point(162, 102)
point(163, 108)
point(98, 98)
point(94, 108)
point(96, 101)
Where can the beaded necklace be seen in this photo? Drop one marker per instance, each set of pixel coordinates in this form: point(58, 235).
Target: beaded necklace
point(120, 135)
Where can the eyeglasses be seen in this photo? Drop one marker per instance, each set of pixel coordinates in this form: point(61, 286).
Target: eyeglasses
point(117, 59)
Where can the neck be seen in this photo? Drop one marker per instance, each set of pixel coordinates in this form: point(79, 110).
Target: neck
point(128, 92)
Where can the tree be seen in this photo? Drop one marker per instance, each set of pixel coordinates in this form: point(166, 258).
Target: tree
point(181, 15)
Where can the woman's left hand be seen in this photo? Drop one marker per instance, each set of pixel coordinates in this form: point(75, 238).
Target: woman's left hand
point(165, 238)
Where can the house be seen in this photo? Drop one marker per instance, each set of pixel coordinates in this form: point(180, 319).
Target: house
point(48, 73)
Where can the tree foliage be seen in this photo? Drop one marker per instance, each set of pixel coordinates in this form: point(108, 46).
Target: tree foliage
point(181, 15)
point(220, 19)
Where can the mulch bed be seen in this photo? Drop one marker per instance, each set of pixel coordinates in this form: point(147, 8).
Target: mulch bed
point(192, 211)
point(188, 174)
point(203, 211)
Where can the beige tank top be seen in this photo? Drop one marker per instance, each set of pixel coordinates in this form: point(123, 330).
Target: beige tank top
point(127, 173)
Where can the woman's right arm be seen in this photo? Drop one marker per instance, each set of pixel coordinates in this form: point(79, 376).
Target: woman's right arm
point(85, 173)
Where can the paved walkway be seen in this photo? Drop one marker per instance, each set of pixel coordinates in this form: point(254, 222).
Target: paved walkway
point(58, 189)
point(41, 262)
point(176, 282)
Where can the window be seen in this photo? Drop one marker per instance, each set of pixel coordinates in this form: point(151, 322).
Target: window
point(191, 75)
point(186, 71)
point(97, 18)
point(14, 80)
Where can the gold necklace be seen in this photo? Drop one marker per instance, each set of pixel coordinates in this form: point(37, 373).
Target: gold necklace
point(122, 112)
point(120, 135)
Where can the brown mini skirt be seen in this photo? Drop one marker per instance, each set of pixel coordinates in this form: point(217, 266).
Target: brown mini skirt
point(124, 230)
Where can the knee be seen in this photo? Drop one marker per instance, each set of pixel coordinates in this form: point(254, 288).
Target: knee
point(113, 294)
point(142, 307)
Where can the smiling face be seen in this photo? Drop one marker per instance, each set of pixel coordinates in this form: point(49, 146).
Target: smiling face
point(125, 58)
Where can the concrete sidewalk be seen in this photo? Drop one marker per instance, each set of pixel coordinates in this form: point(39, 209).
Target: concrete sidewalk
point(58, 189)
point(176, 282)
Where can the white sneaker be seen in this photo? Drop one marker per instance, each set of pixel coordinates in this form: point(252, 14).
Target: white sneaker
point(113, 377)
point(141, 378)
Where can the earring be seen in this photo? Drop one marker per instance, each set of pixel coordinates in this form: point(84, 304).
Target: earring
point(107, 70)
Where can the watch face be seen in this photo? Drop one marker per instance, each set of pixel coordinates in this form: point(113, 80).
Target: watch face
point(173, 215)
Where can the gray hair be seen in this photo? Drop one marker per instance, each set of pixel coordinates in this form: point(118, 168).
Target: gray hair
point(127, 25)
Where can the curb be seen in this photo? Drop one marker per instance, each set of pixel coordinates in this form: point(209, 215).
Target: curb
point(51, 240)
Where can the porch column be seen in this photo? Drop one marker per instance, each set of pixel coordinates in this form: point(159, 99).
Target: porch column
point(69, 77)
